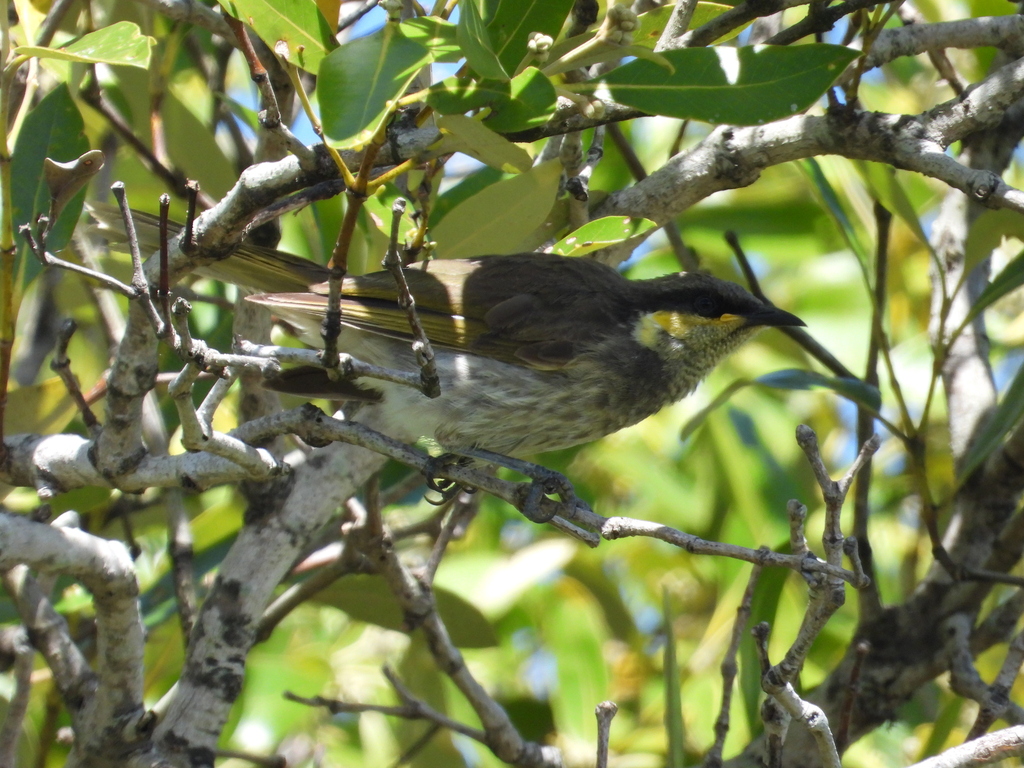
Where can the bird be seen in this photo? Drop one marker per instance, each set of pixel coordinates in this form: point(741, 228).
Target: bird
point(535, 352)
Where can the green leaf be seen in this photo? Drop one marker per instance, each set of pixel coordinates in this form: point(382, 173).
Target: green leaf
point(475, 43)
point(605, 51)
point(676, 757)
point(739, 86)
point(368, 598)
point(764, 607)
point(944, 725)
point(652, 23)
point(44, 408)
point(499, 217)
point(52, 129)
point(436, 35)
point(298, 25)
point(574, 631)
point(359, 79)
point(854, 390)
point(119, 44)
point(503, 584)
point(836, 210)
point(464, 134)
point(525, 101)
point(1004, 418)
point(456, 95)
point(514, 20)
point(465, 189)
point(886, 188)
point(601, 233)
point(606, 588)
point(721, 399)
point(194, 149)
point(988, 231)
point(1009, 279)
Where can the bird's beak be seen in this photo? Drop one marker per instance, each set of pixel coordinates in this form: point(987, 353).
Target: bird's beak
point(773, 316)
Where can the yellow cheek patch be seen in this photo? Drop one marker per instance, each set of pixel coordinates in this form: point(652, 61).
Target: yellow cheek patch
point(647, 331)
point(676, 324)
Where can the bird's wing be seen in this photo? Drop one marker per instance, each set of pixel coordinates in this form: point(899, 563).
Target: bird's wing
point(528, 309)
point(384, 317)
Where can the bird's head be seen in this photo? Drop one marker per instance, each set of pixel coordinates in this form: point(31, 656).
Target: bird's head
point(700, 317)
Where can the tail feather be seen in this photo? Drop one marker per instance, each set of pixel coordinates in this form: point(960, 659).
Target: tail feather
point(261, 269)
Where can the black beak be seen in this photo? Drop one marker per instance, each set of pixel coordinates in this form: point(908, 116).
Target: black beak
point(770, 315)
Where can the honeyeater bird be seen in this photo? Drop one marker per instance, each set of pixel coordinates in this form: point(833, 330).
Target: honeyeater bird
point(534, 351)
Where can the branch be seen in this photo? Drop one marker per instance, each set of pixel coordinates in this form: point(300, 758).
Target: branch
point(1001, 745)
point(416, 599)
point(15, 642)
point(1001, 31)
point(781, 690)
point(732, 157)
point(193, 13)
point(113, 695)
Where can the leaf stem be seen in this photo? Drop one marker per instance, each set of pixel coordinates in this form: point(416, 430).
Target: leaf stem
point(8, 310)
point(314, 120)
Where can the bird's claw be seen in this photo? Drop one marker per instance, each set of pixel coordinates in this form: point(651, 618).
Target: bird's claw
point(448, 489)
point(546, 482)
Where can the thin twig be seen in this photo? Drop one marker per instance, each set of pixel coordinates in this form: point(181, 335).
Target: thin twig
point(188, 243)
point(799, 335)
point(61, 365)
point(164, 288)
point(578, 172)
point(729, 668)
point(139, 283)
point(870, 599)
point(93, 95)
point(456, 520)
point(998, 699)
point(685, 256)
point(412, 709)
point(797, 514)
point(354, 16)
point(812, 716)
point(604, 712)
point(429, 381)
point(270, 115)
point(417, 746)
point(49, 260)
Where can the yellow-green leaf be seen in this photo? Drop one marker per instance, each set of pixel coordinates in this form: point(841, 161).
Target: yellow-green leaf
point(497, 219)
point(464, 134)
point(368, 598)
point(119, 44)
point(44, 408)
point(359, 79)
point(737, 86)
point(294, 29)
point(601, 233)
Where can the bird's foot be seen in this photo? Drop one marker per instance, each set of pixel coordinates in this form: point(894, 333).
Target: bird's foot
point(448, 489)
point(545, 482)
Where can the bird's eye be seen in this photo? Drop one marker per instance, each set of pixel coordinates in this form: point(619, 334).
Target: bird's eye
point(706, 307)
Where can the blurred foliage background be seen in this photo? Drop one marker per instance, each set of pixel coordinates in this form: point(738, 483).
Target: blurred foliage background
point(548, 626)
